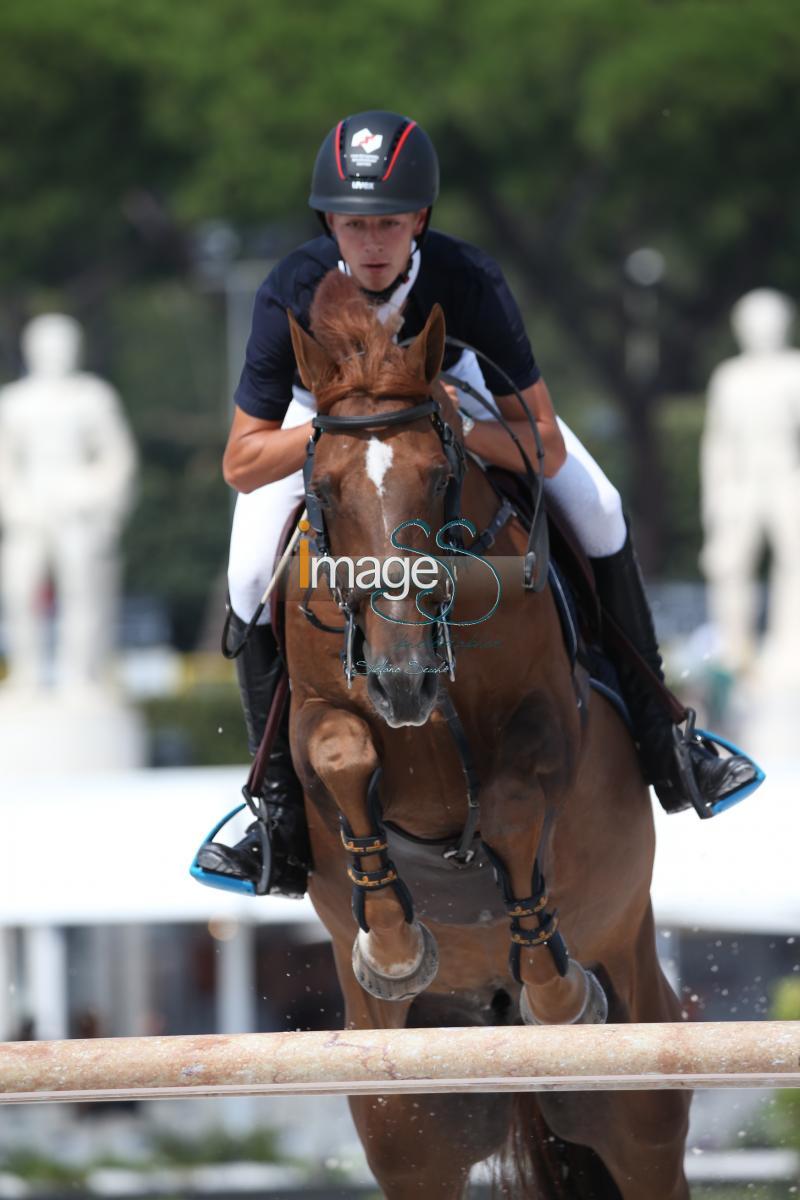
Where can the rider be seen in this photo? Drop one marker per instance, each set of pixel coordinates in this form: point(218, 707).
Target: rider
point(375, 180)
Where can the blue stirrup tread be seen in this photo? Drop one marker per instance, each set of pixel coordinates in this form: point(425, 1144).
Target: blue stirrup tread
point(746, 789)
point(224, 883)
point(694, 736)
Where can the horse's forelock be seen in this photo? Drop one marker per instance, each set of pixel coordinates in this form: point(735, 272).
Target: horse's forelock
point(341, 317)
point(366, 358)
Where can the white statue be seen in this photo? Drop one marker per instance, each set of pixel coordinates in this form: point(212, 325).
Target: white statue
point(67, 467)
point(750, 472)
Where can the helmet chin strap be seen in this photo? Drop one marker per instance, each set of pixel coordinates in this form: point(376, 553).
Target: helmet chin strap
point(389, 301)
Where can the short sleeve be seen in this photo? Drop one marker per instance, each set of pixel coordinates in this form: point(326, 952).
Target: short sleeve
point(495, 326)
point(265, 385)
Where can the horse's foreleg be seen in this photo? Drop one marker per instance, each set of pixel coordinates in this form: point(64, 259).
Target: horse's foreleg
point(394, 956)
point(555, 988)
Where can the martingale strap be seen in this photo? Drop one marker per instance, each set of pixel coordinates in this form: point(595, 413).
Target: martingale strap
point(386, 874)
point(463, 853)
point(537, 551)
point(546, 932)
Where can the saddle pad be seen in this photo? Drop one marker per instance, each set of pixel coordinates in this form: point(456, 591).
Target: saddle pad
point(603, 677)
point(277, 606)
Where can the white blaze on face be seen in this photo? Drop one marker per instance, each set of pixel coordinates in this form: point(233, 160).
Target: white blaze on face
point(379, 459)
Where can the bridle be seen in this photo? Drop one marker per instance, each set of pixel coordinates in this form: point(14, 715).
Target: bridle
point(325, 423)
point(456, 460)
point(536, 558)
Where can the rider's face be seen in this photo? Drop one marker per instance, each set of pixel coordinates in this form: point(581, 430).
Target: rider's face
point(376, 249)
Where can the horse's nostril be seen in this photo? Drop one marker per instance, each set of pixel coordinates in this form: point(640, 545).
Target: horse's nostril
point(403, 697)
point(375, 684)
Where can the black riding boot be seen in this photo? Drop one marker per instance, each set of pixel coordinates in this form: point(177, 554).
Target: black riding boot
point(274, 855)
point(620, 588)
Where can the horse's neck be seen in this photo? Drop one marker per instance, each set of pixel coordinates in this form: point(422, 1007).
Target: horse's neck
point(480, 503)
point(536, 610)
point(479, 500)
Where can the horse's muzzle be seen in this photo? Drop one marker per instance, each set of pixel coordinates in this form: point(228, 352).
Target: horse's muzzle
point(403, 690)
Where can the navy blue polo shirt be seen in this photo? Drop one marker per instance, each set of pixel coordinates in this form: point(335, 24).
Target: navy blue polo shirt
point(477, 302)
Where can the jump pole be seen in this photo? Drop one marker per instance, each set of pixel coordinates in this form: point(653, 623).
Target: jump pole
point(740, 1054)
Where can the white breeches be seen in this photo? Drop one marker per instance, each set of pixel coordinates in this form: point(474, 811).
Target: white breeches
point(587, 499)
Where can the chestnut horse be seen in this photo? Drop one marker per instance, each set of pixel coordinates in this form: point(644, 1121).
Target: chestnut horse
point(397, 757)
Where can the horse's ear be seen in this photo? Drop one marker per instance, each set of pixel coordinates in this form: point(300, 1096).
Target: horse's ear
point(426, 352)
point(313, 362)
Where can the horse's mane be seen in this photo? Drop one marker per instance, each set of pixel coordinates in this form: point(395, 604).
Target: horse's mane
point(365, 358)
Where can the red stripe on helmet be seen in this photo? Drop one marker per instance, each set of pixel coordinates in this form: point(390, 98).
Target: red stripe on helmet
point(397, 150)
point(337, 140)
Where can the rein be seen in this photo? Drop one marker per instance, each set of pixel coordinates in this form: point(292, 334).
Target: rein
point(537, 552)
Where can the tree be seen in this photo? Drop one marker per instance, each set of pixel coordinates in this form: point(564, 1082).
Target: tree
point(570, 135)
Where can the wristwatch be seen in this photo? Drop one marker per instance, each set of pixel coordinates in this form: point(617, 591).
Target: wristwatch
point(467, 423)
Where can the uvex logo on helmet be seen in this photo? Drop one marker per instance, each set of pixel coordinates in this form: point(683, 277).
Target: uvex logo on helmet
point(375, 163)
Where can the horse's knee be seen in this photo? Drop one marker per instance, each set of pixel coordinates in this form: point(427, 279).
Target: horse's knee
point(340, 744)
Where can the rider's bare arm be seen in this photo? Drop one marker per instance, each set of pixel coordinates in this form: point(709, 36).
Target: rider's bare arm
point(260, 452)
point(490, 440)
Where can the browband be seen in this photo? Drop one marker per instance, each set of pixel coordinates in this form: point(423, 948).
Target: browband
point(402, 416)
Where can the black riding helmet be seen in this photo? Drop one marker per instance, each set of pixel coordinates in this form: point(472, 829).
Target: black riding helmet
point(374, 163)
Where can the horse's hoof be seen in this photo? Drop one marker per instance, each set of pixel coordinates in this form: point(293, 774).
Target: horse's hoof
point(594, 1011)
point(398, 987)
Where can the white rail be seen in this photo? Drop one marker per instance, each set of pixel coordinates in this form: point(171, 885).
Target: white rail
point(476, 1059)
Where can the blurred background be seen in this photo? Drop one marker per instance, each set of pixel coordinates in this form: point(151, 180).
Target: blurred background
point(633, 166)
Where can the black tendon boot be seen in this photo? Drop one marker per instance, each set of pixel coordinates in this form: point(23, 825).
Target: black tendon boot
point(274, 855)
point(664, 758)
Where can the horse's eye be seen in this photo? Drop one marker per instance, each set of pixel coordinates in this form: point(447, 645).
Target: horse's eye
point(319, 497)
point(440, 485)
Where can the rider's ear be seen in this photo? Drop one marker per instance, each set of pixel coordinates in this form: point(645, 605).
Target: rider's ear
point(427, 350)
point(313, 362)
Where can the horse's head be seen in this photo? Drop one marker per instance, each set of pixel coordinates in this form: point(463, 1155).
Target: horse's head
point(379, 465)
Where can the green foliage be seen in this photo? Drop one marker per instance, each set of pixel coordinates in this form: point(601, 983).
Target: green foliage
point(203, 728)
point(217, 1146)
point(783, 1126)
point(786, 1001)
point(30, 1164)
point(569, 135)
point(678, 112)
point(745, 1191)
point(166, 1150)
point(165, 355)
point(680, 424)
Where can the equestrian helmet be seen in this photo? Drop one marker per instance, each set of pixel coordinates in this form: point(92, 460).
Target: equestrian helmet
point(374, 163)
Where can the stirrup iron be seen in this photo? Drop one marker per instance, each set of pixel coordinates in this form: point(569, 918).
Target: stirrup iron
point(690, 736)
point(231, 883)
